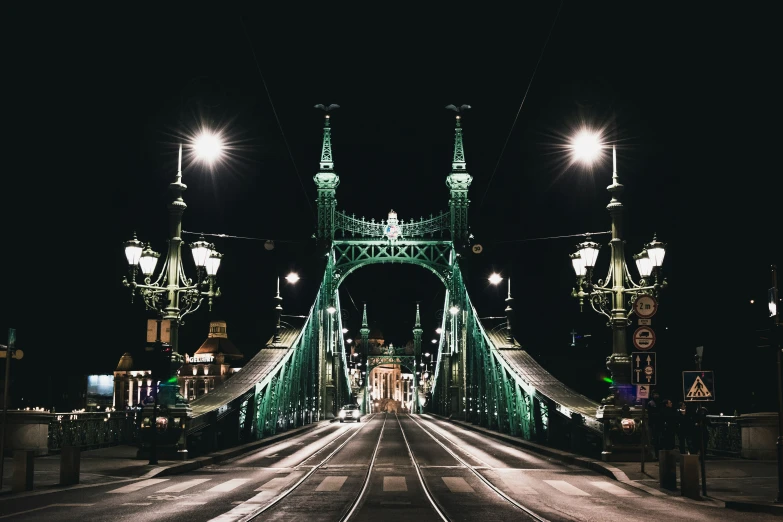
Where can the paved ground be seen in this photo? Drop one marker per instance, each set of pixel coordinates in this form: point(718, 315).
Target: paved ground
point(735, 483)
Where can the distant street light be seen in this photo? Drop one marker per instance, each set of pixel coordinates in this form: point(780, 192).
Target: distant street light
point(292, 278)
point(495, 279)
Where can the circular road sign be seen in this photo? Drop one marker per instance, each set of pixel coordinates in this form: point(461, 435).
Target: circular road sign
point(644, 338)
point(645, 306)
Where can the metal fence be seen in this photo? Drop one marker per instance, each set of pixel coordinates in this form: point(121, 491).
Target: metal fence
point(723, 435)
point(93, 430)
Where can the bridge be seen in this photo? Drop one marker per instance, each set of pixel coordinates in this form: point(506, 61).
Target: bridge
point(482, 375)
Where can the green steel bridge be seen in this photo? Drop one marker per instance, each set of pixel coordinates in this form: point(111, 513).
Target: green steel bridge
point(482, 375)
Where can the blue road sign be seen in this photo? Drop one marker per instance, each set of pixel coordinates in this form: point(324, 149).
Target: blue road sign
point(643, 368)
point(698, 386)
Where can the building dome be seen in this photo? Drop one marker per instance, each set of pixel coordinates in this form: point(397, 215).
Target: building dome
point(375, 335)
point(126, 363)
point(218, 342)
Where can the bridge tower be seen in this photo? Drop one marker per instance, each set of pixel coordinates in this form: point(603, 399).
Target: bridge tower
point(326, 181)
point(459, 182)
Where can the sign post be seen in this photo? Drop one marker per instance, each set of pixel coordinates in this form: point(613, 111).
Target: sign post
point(9, 355)
point(699, 386)
point(643, 369)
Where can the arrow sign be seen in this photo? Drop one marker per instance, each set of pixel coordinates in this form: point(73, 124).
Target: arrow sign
point(644, 368)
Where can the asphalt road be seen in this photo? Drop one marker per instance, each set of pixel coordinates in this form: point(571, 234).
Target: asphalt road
point(386, 467)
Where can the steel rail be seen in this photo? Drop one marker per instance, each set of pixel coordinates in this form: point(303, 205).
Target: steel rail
point(481, 477)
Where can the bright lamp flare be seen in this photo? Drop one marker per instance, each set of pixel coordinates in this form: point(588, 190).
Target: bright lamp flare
point(586, 146)
point(208, 146)
point(495, 279)
point(292, 278)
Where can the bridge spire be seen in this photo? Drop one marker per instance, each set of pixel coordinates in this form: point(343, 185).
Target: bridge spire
point(458, 182)
point(326, 180)
point(417, 331)
point(365, 332)
point(279, 310)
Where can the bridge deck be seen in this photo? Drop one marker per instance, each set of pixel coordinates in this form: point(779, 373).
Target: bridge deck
point(535, 376)
point(256, 370)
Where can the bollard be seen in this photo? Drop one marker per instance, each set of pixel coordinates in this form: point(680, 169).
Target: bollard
point(70, 462)
point(689, 476)
point(23, 470)
point(667, 469)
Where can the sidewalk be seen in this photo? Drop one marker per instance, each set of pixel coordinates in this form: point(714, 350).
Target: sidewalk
point(740, 484)
point(116, 463)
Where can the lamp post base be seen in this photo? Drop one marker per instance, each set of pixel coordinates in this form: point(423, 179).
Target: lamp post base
point(622, 433)
point(169, 441)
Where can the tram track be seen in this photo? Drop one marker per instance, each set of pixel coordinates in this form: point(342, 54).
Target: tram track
point(468, 466)
point(277, 499)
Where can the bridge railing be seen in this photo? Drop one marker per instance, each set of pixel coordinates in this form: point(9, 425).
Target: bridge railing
point(350, 226)
point(92, 429)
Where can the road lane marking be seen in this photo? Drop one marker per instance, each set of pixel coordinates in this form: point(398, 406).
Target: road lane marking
point(458, 485)
point(137, 504)
point(190, 503)
point(130, 488)
point(564, 487)
point(227, 486)
point(331, 484)
point(517, 486)
point(44, 507)
point(394, 484)
point(279, 483)
point(177, 488)
point(614, 489)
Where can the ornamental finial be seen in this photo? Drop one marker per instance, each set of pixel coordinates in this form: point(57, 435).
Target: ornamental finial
point(327, 163)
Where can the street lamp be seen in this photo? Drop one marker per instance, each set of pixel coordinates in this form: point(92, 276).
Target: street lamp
point(173, 295)
point(496, 279)
point(614, 297)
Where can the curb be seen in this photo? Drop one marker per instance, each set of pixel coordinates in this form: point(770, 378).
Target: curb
point(223, 455)
point(613, 472)
point(183, 467)
point(598, 466)
point(775, 509)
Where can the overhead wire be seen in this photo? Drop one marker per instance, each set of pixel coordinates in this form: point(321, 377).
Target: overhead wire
point(508, 137)
point(583, 234)
point(279, 125)
point(243, 237)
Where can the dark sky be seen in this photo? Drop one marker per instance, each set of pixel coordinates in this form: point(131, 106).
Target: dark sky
point(99, 101)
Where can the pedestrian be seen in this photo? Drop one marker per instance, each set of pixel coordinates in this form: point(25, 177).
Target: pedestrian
point(668, 419)
point(653, 419)
point(684, 428)
point(701, 427)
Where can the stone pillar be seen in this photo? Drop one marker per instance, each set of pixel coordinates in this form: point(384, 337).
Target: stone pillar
point(667, 469)
point(689, 476)
point(23, 470)
point(70, 464)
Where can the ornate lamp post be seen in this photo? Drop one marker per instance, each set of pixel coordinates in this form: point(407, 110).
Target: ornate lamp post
point(172, 295)
point(614, 296)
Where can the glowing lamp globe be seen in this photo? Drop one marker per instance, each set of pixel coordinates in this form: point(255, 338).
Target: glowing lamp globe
point(213, 263)
point(147, 261)
point(133, 248)
point(586, 146)
point(201, 251)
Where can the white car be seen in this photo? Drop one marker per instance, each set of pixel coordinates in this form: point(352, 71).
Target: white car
point(350, 412)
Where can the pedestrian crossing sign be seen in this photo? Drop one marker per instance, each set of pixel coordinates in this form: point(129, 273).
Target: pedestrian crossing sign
point(698, 386)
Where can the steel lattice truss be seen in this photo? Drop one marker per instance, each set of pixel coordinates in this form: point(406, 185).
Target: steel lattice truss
point(351, 254)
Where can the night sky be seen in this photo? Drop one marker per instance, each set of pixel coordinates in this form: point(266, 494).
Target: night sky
point(99, 102)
